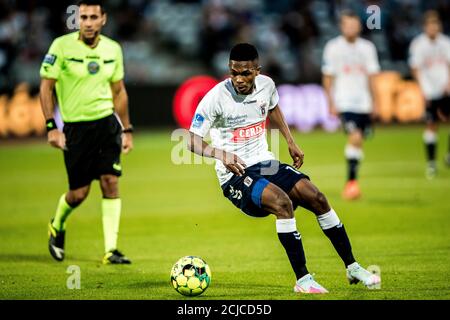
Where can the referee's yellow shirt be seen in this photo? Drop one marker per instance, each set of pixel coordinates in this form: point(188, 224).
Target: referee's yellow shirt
point(83, 76)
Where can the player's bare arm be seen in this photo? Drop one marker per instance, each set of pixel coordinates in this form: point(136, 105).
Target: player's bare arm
point(120, 100)
point(232, 162)
point(447, 90)
point(327, 83)
point(442, 115)
point(372, 89)
point(54, 137)
point(277, 120)
point(415, 76)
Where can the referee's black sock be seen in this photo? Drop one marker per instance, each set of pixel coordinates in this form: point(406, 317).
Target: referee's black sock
point(335, 231)
point(292, 243)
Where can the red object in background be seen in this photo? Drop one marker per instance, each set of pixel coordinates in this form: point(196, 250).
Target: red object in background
point(188, 96)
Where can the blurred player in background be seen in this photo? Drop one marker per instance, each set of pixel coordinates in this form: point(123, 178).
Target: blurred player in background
point(86, 69)
point(349, 66)
point(430, 66)
point(234, 112)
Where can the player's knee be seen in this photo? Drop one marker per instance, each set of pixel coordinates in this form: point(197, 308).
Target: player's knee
point(109, 181)
point(109, 186)
point(431, 126)
point(356, 139)
point(320, 198)
point(321, 202)
point(76, 197)
point(283, 206)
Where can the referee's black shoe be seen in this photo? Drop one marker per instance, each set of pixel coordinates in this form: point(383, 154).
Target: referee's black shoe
point(56, 242)
point(115, 257)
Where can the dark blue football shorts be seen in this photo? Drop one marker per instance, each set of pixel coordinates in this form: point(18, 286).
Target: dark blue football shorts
point(245, 191)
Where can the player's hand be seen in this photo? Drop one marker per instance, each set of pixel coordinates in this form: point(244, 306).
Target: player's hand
point(447, 89)
point(375, 114)
point(233, 163)
point(127, 142)
point(296, 154)
point(442, 116)
point(333, 109)
point(56, 139)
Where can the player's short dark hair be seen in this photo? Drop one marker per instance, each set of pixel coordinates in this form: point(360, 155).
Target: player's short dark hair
point(348, 13)
point(243, 52)
point(93, 3)
point(431, 16)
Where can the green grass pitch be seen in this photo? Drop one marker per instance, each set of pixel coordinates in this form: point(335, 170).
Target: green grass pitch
point(401, 224)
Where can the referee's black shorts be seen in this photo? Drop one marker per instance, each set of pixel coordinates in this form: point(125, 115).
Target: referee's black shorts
point(93, 149)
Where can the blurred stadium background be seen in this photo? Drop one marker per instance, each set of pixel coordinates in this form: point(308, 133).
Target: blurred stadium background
point(166, 42)
point(174, 52)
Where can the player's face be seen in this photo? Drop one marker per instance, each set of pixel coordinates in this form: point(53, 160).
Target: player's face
point(350, 27)
point(91, 21)
point(432, 29)
point(243, 75)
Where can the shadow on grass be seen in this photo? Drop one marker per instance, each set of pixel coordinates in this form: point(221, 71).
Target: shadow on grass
point(17, 257)
point(229, 291)
point(42, 258)
point(148, 284)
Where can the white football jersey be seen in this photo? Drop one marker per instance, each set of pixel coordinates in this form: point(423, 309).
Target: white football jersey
point(350, 64)
point(237, 123)
point(432, 61)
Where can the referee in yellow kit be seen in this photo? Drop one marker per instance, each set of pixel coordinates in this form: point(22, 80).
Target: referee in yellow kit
point(86, 69)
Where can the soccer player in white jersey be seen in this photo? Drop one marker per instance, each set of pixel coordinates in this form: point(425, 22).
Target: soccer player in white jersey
point(349, 66)
point(430, 66)
point(234, 112)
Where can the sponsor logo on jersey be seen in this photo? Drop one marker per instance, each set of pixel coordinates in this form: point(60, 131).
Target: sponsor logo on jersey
point(354, 69)
point(234, 121)
point(198, 120)
point(248, 181)
point(93, 67)
point(430, 62)
point(249, 132)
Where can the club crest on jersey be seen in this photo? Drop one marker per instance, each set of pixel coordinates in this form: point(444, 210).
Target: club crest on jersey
point(249, 132)
point(198, 120)
point(263, 106)
point(93, 67)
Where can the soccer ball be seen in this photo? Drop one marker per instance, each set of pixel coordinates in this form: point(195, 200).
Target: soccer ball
point(190, 276)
